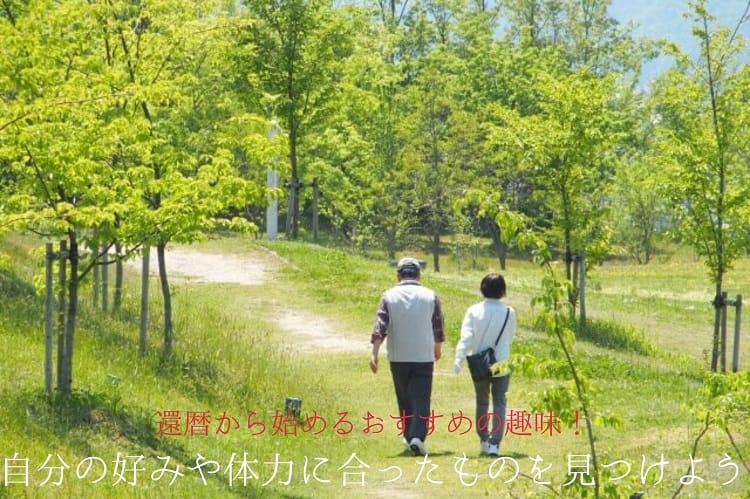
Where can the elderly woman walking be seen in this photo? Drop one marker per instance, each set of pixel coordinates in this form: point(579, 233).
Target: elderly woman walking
point(487, 323)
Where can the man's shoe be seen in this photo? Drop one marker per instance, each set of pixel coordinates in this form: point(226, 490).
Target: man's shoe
point(407, 447)
point(493, 450)
point(484, 447)
point(417, 447)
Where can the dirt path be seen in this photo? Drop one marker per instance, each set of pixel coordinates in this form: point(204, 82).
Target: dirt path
point(313, 331)
point(188, 264)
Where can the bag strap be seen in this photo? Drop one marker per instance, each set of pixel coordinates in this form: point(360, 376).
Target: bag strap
point(507, 314)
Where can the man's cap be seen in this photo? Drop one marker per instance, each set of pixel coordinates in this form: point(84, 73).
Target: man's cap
point(408, 266)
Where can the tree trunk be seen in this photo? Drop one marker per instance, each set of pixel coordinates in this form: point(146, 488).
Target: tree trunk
point(294, 187)
point(166, 296)
point(70, 323)
point(436, 250)
point(571, 274)
point(569, 255)
point(501, 249)
point(390, 243)
point(290, 211)
point(718, 306)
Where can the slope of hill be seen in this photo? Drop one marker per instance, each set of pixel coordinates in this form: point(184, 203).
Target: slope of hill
point(209, 420)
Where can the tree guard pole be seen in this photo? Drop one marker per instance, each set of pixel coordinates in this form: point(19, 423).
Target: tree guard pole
point(737, 322)
point(96, 287)
point(290, 211)
point(272, 179)
point(272, 210)
point(117, 300)
point(61, 281)
point(145, 261)
point(582, 290)
point(723, 338)
point(315, 185)
point(105, 278)
point(48, 325)
point(572, 260)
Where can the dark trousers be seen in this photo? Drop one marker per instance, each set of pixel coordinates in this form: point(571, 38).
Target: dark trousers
point(413, 384)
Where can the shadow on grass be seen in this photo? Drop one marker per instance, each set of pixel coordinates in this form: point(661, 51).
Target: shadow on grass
point(83, 413)
point(83, 418)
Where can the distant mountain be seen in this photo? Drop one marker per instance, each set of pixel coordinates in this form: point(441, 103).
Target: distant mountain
point(666, 19)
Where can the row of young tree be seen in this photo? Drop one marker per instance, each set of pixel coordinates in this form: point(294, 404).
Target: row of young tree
point(129, 125)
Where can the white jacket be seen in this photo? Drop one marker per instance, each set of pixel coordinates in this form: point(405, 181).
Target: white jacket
point(480, 327)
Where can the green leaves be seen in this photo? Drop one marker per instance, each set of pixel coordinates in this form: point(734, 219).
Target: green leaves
point(564, 152)
point(727, 397)
point(122, 128)
point(702, 125)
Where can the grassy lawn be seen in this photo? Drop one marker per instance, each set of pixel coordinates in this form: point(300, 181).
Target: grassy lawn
point(211, 417)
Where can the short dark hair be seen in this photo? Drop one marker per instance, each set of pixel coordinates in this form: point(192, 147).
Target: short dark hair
point(493, 286)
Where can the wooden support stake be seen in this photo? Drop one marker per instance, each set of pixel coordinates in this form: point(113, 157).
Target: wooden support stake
point(723, 334)
point(315, 209)
point(737, 323)
point(61, 307)
point(48, 312)
point(105, 278)
point(144, 299)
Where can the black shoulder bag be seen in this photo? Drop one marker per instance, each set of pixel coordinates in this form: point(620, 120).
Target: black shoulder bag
point(480, 364)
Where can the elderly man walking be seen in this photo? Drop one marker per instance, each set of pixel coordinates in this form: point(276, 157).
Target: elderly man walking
point(410, 317)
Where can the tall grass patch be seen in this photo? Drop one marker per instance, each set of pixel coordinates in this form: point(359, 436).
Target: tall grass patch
point(615, 336)
point(223, 364)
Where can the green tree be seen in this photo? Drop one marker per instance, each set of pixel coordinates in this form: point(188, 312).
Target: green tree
point(495, 73)
point(440, 134)
point(294, 48)
point(368, 190)
point(582, 31)
point(567, 150)
point(183, 168)
point(641, 209)
point(392, 12)
point(443, 137)
point(702, 136)
point(107, 135)
point(63, 186)
point(393, 217)
point(442, 153)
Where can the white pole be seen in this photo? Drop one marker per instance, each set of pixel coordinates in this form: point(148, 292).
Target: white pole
point(272, 210)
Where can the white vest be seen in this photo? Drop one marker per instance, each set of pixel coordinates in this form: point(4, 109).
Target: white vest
point(410, 336)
